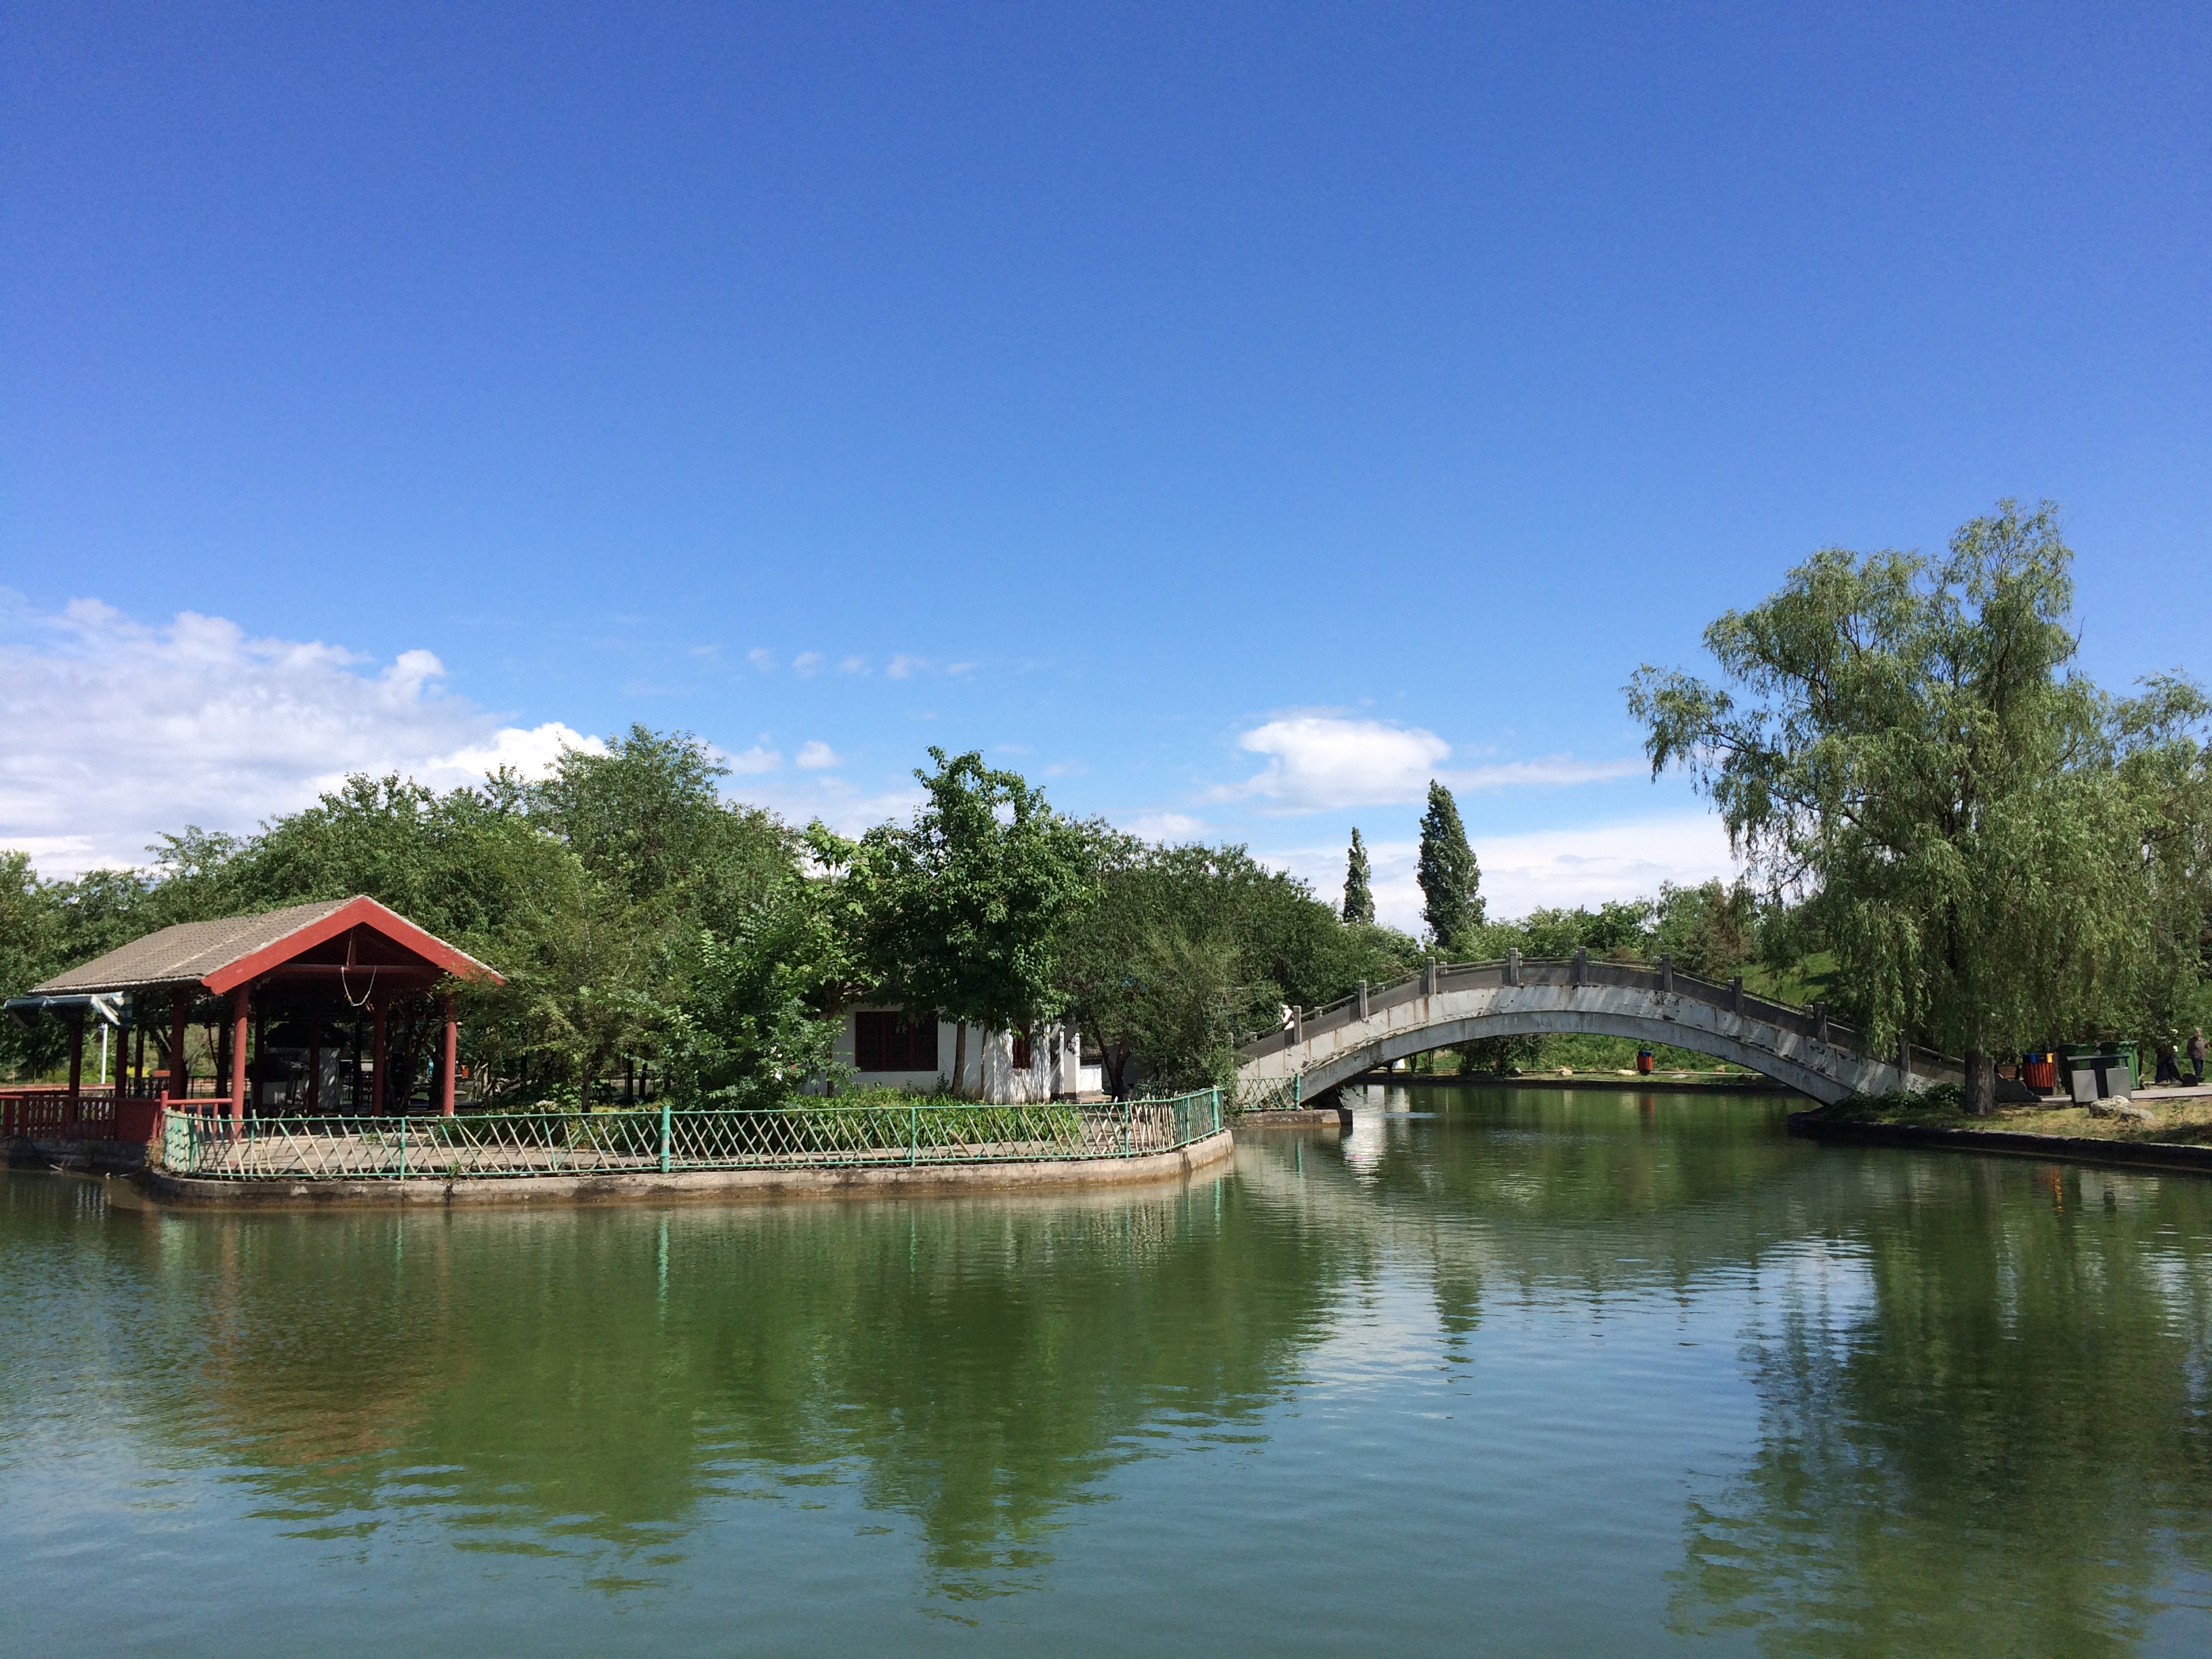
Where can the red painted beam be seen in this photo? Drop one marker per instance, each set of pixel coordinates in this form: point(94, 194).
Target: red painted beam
point(354, 913)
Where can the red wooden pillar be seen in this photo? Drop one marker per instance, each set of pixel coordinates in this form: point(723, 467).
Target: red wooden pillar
point(258, 1079)
point(376, 1061)
point(180, 1082)
point(77, 1067)
point(448, 1054)
point(315, 1057)
point(241, 1016)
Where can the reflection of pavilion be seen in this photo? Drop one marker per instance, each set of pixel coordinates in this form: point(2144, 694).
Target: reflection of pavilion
point(303, 1000)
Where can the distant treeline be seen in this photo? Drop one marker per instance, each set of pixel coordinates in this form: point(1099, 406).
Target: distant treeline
point(641, 919)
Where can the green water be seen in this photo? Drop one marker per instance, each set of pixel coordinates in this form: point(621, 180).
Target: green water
point(1532, 1373)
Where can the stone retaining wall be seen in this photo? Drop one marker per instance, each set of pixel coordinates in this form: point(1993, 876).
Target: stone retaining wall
point(2009, 1143)
point(712, 1185)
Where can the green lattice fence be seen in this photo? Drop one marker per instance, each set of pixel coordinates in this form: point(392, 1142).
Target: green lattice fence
point(655, 1139)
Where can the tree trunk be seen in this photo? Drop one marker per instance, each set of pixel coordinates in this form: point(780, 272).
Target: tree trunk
point(1981, 1090)
point(959, 1057)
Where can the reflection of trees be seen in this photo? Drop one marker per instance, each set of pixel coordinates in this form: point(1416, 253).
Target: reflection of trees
point(602, 1375)
point(1596, 1194)
point(1987, 1386)
point(1994, 1455)
point(1986, 1389)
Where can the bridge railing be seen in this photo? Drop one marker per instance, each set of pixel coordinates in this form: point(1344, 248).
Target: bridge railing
point(1811, 1023)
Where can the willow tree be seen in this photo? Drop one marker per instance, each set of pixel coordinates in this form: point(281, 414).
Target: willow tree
point(1358, 895)
point(1978, 832)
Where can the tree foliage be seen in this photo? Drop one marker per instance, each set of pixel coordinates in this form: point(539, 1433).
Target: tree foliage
point(1358, 896)
point(1989, 845)
point(640, 920)
point(963, 910)
point(1450, 879)
point(1183, 952)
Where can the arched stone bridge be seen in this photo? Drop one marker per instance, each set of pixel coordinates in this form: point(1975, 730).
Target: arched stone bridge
point(1441, 1006)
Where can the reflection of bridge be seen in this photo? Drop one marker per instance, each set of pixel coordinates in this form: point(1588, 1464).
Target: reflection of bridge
point(1440, 1006)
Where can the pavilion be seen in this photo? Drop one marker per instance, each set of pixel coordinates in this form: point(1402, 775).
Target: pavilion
point(337, 965)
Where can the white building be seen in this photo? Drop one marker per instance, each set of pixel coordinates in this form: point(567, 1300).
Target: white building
point(888, 1050)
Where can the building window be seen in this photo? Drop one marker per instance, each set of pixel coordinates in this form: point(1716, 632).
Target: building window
point(1022, 1054)
point(886, 1042)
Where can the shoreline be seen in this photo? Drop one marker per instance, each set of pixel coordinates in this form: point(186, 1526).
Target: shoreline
point(2166, 1157)
point(1732, 1084)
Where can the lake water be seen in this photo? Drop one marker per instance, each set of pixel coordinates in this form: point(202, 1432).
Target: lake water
point(1510, 1372)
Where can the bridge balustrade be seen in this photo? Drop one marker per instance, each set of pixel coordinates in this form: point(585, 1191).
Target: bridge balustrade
point(1563, 972)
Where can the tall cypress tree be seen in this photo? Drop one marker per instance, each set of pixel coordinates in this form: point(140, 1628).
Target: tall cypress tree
point(1358, 898)
point(1452, 881)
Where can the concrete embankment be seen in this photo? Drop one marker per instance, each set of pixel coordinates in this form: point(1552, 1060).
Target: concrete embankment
point(2158, 1155)
point(724, 1186)
point(1302, 1118)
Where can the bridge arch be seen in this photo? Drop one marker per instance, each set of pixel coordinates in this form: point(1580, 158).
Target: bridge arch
point(1799, 1048)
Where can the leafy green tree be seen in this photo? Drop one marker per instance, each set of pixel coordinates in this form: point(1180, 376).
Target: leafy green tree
point(648, 818)
point(1452, 881)
point(1708, 930)
point(1359, 897)
point(747, 1025)
point(1976, 828)
point(964, 909)
point(1499, 1056)
point(1184, 951)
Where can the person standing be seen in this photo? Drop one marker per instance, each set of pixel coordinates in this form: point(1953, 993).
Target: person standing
point(2169, 1068)
point(2197, 1053)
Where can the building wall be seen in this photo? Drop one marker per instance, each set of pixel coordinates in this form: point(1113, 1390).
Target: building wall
point(1054, 1071)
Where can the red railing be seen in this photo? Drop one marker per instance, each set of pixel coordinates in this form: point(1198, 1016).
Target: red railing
point(43, 1112)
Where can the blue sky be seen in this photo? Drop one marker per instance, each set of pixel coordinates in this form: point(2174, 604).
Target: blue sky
point(1229, 415)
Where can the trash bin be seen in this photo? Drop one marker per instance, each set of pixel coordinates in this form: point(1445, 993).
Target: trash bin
point(1643, 1062)
point(2099, 1077)
point(2040, 1073)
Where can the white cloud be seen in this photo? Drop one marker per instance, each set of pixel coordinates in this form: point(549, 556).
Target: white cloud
point(844, 806)
point(1318, 762)
point(763, 659)
point(1165, 826)
point(758, 758)
point(815, 755)
point(854, 666)
point(1323, 763)
point(1606, 862)
point(904, 667)
point(533, 752)
point(1537, 868)
point(112, 730)
point(807, 664)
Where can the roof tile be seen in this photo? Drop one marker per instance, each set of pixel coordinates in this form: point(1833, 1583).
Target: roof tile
point(189, 951)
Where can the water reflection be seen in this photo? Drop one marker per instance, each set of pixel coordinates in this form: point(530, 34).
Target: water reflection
point(2001, 1450)
point(1637, 1369)
point(544, 1379)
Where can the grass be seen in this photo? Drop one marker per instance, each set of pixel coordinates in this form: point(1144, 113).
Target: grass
point(2186, 1121)
point(1588, 1055)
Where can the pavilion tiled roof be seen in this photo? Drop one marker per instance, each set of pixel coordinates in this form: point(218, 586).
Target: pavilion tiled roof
point(192, 951)
point(189, 951)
